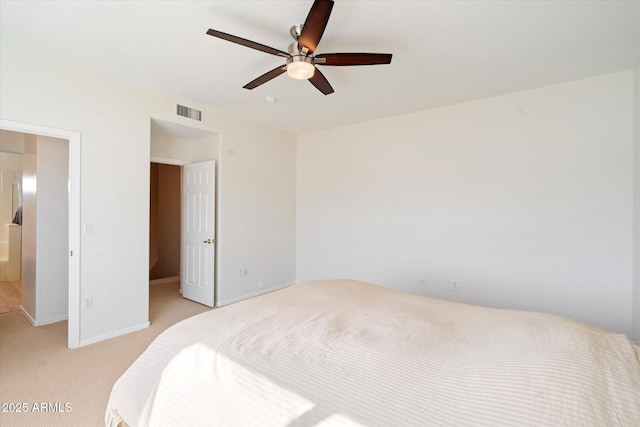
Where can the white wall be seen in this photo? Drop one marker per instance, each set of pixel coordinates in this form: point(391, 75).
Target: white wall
point(114, 121)
point(257, 225)
point(525, 200)
point(636, 209)
point(11, 142)
point(29, 218)
point(45, 236)
point(52, 230)
point(189, 150)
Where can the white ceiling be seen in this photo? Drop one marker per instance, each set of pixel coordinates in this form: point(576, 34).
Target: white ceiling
point(444, 52)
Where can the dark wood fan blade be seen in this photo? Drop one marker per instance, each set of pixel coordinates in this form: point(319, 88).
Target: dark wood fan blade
point(315, 24)
point(265, 77)
point(340, 59)
point(247, 43)
point(321, 82)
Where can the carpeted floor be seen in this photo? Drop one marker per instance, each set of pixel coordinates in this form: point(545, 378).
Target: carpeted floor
point(10, 296)
point(37, 367)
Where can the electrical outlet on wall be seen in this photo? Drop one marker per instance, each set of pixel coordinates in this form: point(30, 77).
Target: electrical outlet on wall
point(455, 286)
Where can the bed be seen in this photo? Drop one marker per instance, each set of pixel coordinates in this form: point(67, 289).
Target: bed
point(349, 353)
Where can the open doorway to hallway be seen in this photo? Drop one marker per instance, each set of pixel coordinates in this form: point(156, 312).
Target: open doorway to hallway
point(50, 216)
point(36, 227)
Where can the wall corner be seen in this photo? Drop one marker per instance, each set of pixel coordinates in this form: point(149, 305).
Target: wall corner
point(635, 291)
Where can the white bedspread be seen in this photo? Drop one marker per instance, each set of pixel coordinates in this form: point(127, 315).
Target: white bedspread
point(350, 353)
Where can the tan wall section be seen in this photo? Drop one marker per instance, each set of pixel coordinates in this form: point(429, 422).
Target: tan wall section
point(153, 216)
point(165, 210)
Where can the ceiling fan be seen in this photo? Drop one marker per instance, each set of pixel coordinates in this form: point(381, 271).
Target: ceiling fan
point(301, 61)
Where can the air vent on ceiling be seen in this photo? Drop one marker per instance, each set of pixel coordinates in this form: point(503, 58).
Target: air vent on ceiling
point(189, 113)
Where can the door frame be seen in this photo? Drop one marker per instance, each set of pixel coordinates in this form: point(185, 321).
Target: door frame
point(73, 137)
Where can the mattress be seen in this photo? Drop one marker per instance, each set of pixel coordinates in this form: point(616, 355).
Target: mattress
point(343, 352)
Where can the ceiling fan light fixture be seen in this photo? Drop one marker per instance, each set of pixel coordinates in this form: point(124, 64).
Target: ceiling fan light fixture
point(300, 67)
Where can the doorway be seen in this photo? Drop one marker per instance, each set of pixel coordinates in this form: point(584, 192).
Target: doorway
point(175, 149)
point(71, 254)
point(11, 147)
point(164, 223)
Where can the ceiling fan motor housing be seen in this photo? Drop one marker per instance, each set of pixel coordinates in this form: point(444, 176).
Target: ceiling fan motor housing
point(295, 31)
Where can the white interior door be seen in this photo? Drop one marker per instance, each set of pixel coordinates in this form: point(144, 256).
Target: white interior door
point(198, 232)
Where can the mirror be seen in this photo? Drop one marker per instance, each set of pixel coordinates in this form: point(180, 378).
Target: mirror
point(16, 200)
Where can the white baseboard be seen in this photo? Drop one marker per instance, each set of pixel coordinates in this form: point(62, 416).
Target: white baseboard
point(52, 320)
point(42, 322)
point(27, 315)
point(255, 294)
point(113, 334)
point(164, 280)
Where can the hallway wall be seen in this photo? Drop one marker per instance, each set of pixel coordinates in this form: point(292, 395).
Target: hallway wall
point(165, 211)
point(45, 275)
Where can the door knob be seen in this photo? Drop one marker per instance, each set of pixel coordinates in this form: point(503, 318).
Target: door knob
point(209, 241)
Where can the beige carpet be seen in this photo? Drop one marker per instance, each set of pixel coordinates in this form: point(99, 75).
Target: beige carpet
point(10, 296)
point(36, 366)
